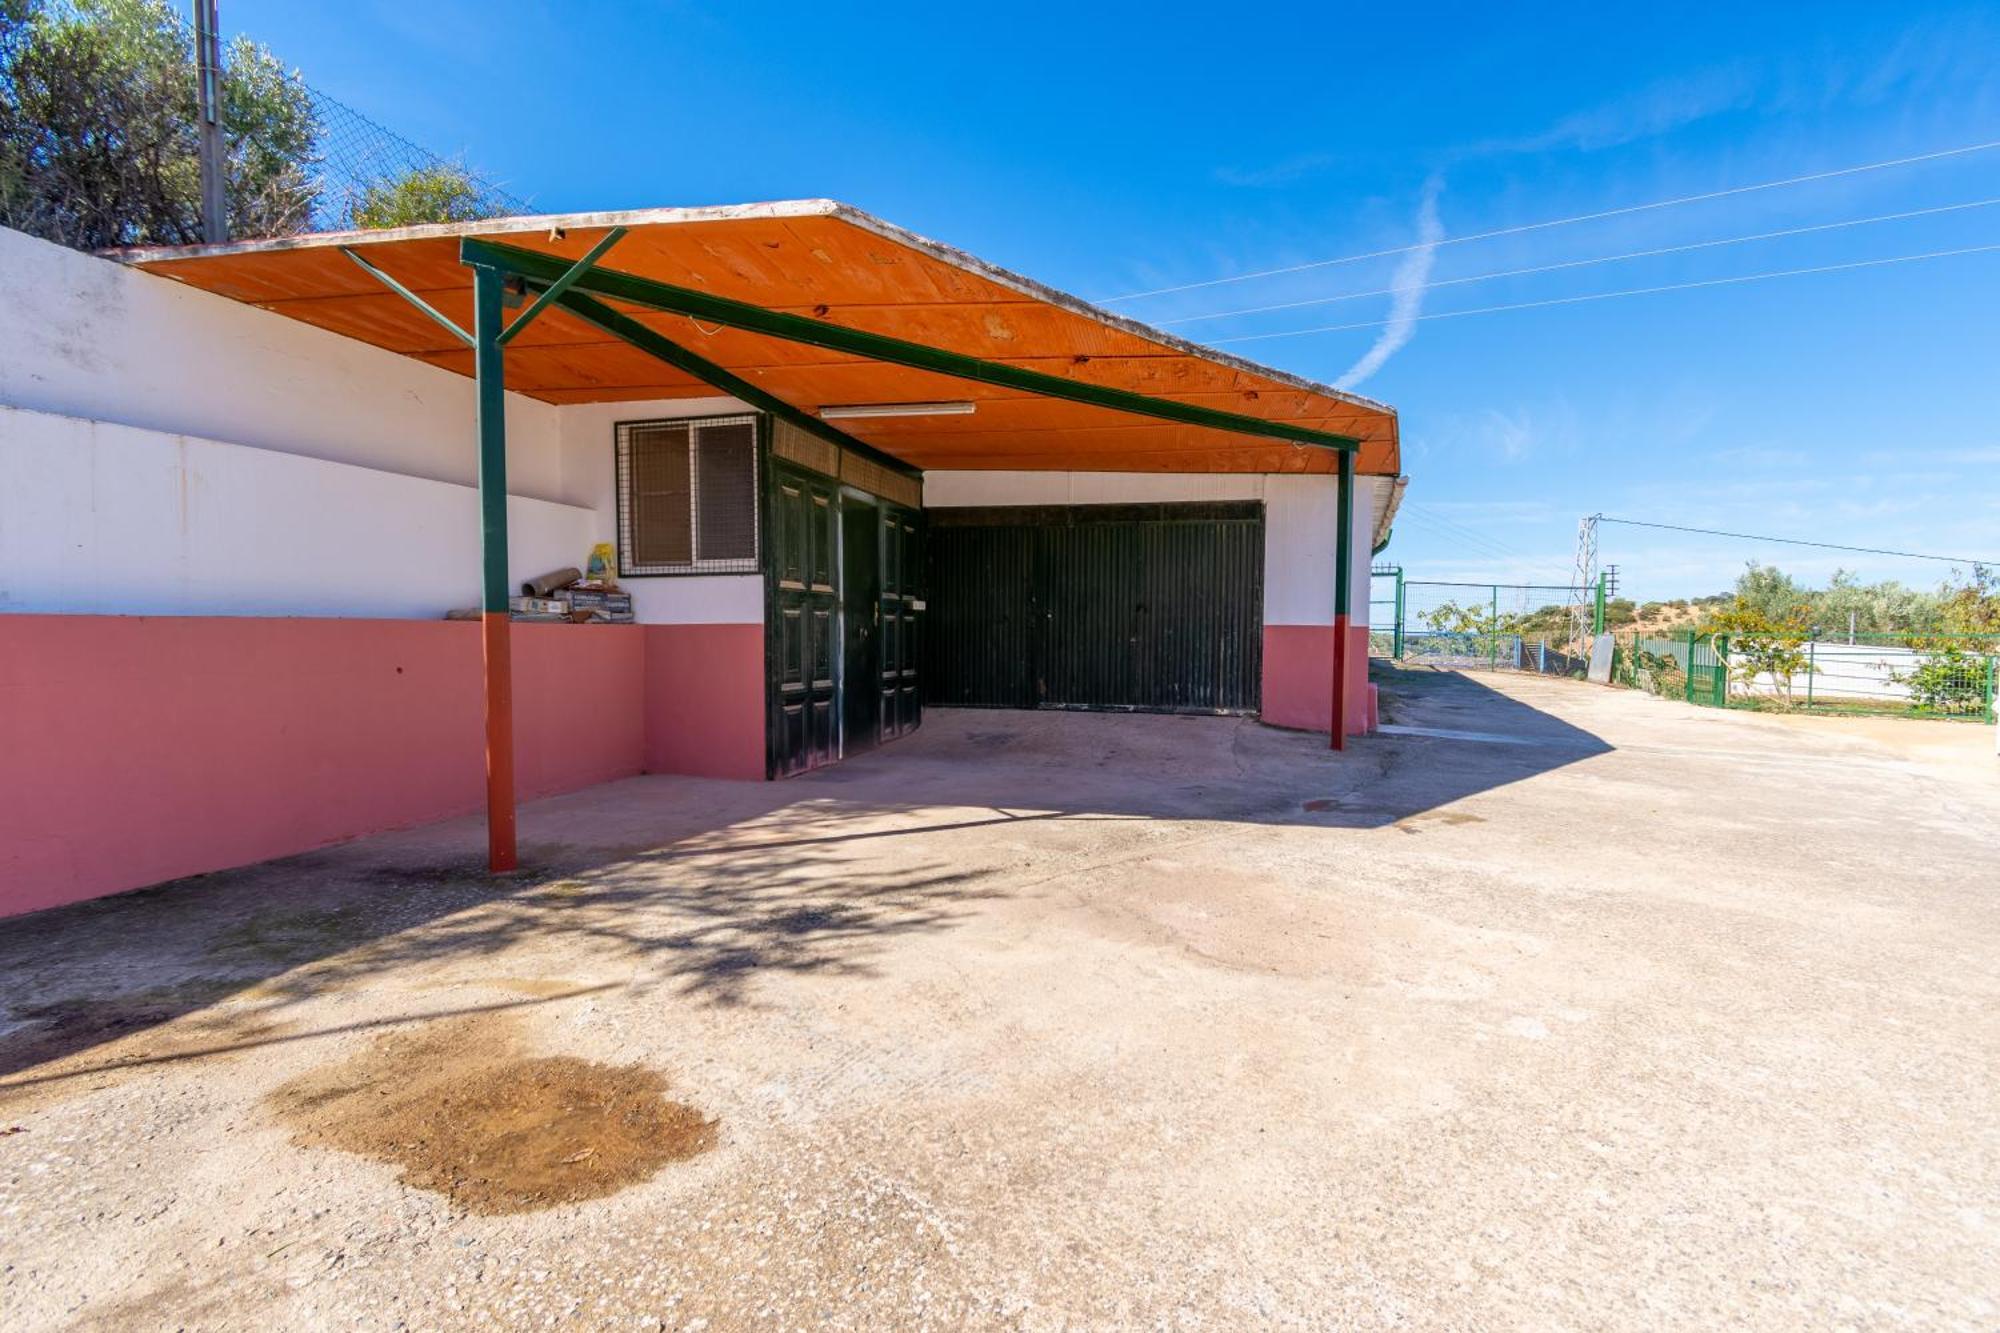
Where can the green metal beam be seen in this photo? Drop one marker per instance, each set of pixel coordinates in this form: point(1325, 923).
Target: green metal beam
point(491, 411)
point(540, 269)
point(408, 295)
point(553, 292)
point(628, 329)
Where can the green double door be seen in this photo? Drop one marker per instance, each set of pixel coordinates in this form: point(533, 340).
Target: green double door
point(841, 635)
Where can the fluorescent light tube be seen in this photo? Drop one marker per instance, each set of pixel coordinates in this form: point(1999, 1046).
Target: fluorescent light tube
point(844, 411)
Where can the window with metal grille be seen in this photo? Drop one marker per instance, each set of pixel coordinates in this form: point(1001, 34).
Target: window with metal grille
point(687, 496)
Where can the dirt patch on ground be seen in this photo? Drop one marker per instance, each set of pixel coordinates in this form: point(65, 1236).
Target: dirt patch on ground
point(460, 1110)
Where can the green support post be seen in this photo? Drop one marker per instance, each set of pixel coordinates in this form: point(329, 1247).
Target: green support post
point(1597, 616)
point(495, 628)
point(1399, 613)
point(1343, 579)
point(1493, 631)
point(1687, 676)
point(1991, 663)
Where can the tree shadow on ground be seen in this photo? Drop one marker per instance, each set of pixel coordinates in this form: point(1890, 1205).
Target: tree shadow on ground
point(700, 888)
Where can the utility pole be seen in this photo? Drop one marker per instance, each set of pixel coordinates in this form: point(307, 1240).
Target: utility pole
point(208, 121)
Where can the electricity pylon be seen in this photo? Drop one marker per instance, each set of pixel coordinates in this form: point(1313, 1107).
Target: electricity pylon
point(1583, 583)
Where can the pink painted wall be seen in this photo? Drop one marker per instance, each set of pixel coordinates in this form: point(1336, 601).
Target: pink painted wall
point(1298, 678)
point(705, 700)
point(135, 749)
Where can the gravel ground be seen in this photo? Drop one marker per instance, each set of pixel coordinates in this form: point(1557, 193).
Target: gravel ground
point(1655, 1017)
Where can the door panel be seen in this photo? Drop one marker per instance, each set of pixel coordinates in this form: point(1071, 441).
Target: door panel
point(801, 732)
point(1155, 607)
point(902, 708)
point(842, 625)
point(861, 616)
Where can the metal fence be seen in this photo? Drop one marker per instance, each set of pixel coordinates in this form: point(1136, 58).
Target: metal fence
point(1473, 651)
point(1687, 666)
point(1474, 626)
point(345, 160)
point(1526, 627)
point(1923, 675)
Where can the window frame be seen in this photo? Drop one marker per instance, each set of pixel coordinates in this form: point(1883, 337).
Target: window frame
point(749, 566)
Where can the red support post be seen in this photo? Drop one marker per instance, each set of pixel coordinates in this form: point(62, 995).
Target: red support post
point(1343, 580)
point(498, 656)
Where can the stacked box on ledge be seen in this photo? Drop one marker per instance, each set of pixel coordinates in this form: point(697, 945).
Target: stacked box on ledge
point(535, 609)
point(602, 605)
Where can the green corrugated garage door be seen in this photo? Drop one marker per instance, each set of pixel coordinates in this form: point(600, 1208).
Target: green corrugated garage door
point(1156, 607)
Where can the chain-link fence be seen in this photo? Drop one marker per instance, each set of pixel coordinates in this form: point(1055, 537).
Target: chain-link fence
point(356, 173)
point(367, 174)
point(1684, 666)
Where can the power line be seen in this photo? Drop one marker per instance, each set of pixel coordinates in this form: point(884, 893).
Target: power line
point(1632, 291)
point(1481, 544)
point(1795, 541)
point(1601, 259)
point(1562, 222)
point(1453, 528)
point(1479, 548)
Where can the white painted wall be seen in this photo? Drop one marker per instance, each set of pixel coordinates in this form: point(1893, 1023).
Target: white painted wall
point(102, 518)
point(1301, 514)
point(1854, 671)
point(321, 476)
point(87, 337)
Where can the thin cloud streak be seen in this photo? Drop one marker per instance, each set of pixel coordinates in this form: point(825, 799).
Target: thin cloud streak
point(1413, 274)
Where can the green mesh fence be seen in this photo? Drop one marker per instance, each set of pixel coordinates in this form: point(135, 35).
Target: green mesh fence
point(1486, 627)
point(1923, 675)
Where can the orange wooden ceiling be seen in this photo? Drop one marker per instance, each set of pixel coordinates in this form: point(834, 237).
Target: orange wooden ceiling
point(826, 261)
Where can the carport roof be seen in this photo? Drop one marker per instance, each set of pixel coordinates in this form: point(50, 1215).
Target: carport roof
point(822, 261)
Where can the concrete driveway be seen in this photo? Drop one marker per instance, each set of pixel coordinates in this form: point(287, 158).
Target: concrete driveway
point(1598, 1012)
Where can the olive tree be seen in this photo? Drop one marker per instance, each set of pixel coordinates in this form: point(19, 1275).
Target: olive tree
point(98, 139)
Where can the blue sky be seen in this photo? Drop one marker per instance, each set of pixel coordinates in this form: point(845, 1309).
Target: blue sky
point(1112, 149)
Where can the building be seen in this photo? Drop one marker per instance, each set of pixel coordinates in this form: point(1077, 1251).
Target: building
point(848, 473)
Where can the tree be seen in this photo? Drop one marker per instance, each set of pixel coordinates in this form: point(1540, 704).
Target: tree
point(98, 140)
point(1872, 608)
point(1761, 645)
point(441, 193)
point(1769, 592)
point(1971, 606)
point(1452, 618)
point(1948, 680)
point(1959, 647)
